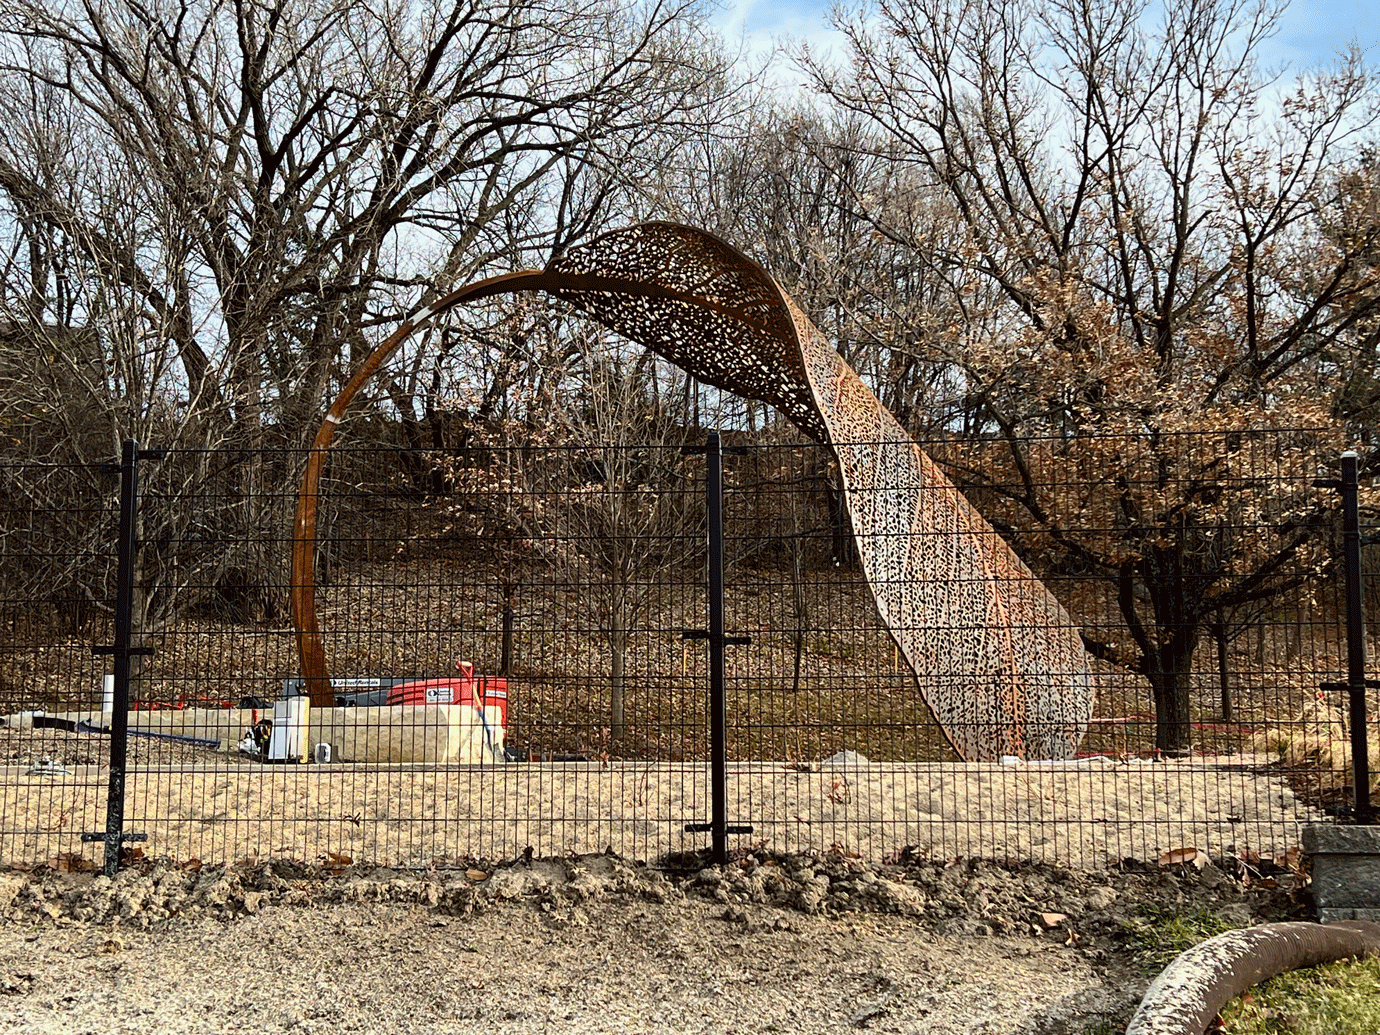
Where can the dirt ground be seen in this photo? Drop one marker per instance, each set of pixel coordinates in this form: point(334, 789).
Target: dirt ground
point(214, 807)
point(771, 943)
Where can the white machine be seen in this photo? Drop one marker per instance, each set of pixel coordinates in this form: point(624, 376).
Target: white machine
point(288, 742)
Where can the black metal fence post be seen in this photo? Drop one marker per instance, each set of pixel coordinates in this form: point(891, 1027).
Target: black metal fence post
point(1356, 682)
point(114, 835)
point(718, 826)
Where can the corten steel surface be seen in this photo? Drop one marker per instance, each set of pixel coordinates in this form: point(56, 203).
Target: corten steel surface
point(998, 660)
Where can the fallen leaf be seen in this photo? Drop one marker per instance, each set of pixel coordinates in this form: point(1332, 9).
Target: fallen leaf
point(476, 875)
point(71, 862)
point(1179, 856)
point(335, 863)
point(1052, 919)
point(16, 984)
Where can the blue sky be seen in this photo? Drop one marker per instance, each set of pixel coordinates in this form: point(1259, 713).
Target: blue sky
point(1312, 30)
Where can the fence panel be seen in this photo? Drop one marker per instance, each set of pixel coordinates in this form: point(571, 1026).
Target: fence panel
point(561, 581)
point(57, 555)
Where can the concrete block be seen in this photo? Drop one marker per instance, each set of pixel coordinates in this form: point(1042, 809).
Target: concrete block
point(1346, 870)
point(225, 725)
point(1337, 839)
point(403, 733)
point(1326, 916)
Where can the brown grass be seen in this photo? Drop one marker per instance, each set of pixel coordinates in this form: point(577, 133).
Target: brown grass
point(414, 615)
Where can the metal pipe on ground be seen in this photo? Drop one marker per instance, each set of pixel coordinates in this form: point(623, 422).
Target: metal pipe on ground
point(1190, 992)
point(180, 738)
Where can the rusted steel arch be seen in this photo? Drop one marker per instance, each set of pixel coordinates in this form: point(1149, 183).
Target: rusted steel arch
point(311, 652)
point(997, 659)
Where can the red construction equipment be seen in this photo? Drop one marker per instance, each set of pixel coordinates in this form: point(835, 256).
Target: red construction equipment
point(488, 694)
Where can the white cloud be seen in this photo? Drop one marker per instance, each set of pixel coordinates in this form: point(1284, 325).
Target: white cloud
point(767, 26)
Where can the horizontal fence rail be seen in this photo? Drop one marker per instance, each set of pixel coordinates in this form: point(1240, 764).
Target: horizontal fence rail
point(505, 624)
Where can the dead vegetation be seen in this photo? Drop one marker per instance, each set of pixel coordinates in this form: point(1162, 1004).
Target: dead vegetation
point(414, 615)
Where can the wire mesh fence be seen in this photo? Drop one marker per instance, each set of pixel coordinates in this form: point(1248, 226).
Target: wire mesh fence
point(505, 630)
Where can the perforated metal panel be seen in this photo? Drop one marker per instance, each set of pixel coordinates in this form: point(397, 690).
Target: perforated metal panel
point(999, 661)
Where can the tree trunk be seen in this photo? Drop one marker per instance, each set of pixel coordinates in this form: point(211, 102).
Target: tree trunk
point(618, 636)
point(505, 662)
point(1173, 721)
point(799, 599)
point(1219, 635)
point(1167, 647)
point(139, 622)
point(1171, 680)
point(841, 528)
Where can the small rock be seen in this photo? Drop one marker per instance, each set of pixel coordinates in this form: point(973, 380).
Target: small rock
point(1211, 875)
point(871, 1010)
point(1237, 914)
point(1101, 898)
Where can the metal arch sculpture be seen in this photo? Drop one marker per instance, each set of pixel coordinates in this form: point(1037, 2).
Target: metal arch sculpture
point(998, 660)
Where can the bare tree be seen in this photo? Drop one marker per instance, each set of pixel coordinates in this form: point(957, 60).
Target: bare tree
point(306, 164)
point(637, 515)
point(1144, 251)
point(228, 200)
